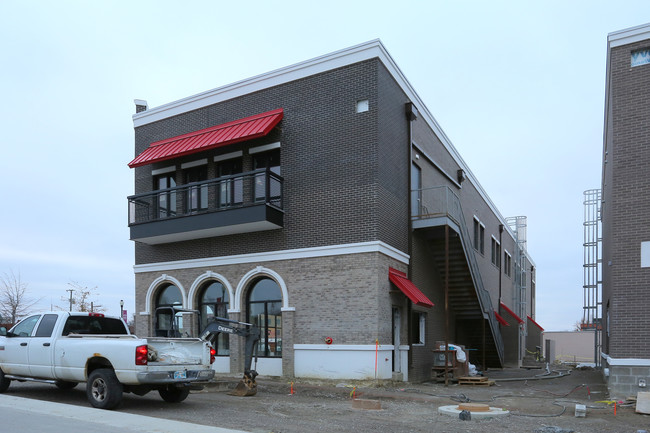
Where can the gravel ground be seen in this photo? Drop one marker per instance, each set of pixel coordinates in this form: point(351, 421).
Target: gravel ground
point(536, 405)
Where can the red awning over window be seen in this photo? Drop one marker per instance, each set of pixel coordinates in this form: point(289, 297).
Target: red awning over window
point(512, 313)
point(210, 138)
point(408, 288)
point(536, 324)
point(500, 319)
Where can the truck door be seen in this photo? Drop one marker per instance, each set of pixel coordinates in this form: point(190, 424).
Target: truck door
point(16, 348)
point(41, 348)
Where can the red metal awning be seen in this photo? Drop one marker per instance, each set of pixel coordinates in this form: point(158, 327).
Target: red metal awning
point(247, 128)
point(535, 323)
point(408, 288)
point(512, 313)
point(501, 320)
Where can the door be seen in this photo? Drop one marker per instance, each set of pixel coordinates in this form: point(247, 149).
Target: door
point(41, 347)
point(397, 364)
point(16, 347)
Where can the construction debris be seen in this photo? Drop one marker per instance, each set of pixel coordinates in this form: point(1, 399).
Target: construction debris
point(643, 403)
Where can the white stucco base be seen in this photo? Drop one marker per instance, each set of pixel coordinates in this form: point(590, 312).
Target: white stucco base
point(221, 364)
point(268, 366)
point(324, 361)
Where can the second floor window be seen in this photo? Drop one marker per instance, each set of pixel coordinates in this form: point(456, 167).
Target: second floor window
point(197, 196)
point(271, 160)
point(166, 202)
point(479, 236)
point(496, 253)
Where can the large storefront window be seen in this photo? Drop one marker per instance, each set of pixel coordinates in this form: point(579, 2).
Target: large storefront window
point(169, 296)
point(265, 310)
point(214, 303)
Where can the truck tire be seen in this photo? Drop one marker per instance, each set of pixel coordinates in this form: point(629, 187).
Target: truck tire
point(4, 382)
point(64, 384)
point(173, 394)
point(103, 390)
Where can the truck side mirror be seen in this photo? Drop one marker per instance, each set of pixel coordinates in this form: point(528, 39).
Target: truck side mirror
point(3, 332)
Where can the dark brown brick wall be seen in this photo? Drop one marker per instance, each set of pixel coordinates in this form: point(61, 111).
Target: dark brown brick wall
point(627, 206)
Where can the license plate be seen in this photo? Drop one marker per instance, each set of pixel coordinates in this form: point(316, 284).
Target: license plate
point(180, 374)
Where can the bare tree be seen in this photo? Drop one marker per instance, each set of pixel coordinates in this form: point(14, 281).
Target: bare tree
point(81, 298)
point(14, 302)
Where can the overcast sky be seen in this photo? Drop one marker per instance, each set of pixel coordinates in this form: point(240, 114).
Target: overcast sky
point(517, 86)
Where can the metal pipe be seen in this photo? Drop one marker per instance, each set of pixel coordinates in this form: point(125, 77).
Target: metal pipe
point(446, 304)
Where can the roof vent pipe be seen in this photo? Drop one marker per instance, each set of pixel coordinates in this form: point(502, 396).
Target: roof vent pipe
point(140, 105)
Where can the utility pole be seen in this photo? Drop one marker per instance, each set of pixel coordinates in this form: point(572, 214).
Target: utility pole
point(70, 290)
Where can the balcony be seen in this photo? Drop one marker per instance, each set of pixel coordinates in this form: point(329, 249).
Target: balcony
point(241, 203)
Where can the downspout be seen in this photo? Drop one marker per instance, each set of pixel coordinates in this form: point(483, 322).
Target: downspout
point(411, 115)
point(500, 261)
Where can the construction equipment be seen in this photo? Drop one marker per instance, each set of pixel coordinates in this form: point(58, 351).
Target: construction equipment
point(216, 325)
point(247, 386)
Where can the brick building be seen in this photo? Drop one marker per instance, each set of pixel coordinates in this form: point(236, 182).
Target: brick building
point(624, 211)
point(323, 202)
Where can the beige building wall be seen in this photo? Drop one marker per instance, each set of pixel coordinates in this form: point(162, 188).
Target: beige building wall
point(571, 346)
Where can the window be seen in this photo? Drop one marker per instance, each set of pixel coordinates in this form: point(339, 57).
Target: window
point(416, 191)
point(230, 191)
point(479, 236)
point(94, 325)
point(270, 160)
point(25, 328)
point(264, 310)
point(214, 303)
point(197, 196)
point(166, 204)
point(496, 253)
point(46, 326)
point(507, 263)
point(418, 327)
point(169, 296)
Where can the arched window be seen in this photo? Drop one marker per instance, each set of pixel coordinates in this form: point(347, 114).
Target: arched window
point(214, 302)
point(169, 296)
point(264, 309)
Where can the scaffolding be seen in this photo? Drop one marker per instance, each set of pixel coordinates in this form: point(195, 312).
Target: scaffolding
point(518, 226)
point(592, 283)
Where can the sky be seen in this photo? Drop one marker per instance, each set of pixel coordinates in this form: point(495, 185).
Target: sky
point(518, 87)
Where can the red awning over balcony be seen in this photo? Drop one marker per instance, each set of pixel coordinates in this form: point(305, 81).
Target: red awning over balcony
point(501, 320)
point(408, 288)
point(512, 313)
point(247, 128)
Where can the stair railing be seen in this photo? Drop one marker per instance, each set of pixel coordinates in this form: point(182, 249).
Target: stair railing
point(441, 201)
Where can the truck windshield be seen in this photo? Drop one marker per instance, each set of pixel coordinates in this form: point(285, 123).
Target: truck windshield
point(93, 325)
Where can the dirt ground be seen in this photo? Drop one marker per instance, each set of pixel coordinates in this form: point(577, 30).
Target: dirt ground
point(535, 405)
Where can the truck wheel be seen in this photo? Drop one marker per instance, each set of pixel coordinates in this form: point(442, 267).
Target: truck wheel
point(103, 389)
point(173, 394)
point(64, 384)
point(4, 382)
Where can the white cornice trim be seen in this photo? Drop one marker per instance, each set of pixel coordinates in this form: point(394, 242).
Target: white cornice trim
point(302, 253)
point(629, 36)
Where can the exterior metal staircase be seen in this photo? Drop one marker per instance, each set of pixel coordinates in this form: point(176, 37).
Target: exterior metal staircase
point(469, 301)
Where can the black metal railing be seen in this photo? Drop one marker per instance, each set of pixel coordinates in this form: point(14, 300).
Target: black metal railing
point(252, 188)
point(441, 201)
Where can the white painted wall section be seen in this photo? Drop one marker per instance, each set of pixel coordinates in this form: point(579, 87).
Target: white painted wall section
point(322, 361)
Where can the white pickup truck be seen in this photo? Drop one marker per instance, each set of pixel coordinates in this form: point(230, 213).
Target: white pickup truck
point(68, 348)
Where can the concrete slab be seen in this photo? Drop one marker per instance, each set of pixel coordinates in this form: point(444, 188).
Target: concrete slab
point(492, 412)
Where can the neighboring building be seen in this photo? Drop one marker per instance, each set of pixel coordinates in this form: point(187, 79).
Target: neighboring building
point(569, 346)
point(624, 211)
point(315, 201)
